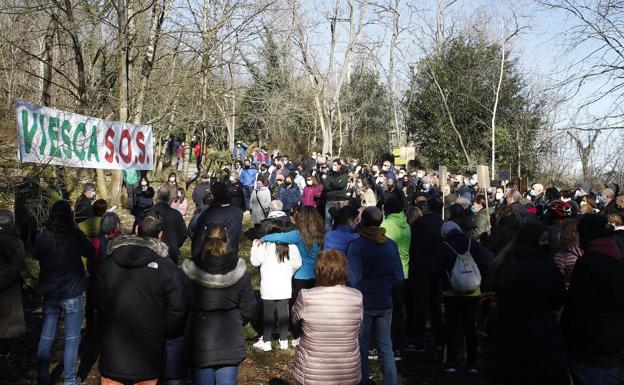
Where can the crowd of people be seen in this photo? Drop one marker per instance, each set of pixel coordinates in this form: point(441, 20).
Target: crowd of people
point(357, 262)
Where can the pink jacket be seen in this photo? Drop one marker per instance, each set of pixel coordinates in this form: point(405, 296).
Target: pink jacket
point(328, 353)
point(311, 192)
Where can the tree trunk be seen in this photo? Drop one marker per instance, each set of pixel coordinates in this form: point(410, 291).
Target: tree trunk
point(48, 42)
point(496, 98)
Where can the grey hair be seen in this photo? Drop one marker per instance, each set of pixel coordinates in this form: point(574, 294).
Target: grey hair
point(88, 186)
point(109, 223)
point(276, 205)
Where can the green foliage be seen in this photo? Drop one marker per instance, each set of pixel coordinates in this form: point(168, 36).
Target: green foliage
point(468, 70)
point(367, 113)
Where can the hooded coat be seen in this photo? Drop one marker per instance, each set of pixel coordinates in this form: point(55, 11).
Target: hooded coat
point(329, 352)
point(174, 233)
point(526, 346)
point(12, 262)
point(222, 301)
point(141, 300)
point(217, 214)
point(399, 231)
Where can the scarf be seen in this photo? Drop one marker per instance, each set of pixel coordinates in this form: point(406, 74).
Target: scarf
point(374, 234)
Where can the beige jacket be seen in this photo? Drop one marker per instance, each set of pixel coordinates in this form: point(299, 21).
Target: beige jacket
point(329, 353)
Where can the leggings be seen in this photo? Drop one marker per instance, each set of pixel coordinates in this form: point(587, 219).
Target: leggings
point(297, 285)
point(270, 308)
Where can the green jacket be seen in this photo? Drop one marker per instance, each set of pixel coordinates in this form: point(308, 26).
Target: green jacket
point(399, 231)
point(131, 177)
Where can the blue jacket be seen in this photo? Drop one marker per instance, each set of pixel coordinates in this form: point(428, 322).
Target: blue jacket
point(308, 257)
point(248, 176)
point(374, 269)
point(339, 239)
point(290, 196)
point(240, 153)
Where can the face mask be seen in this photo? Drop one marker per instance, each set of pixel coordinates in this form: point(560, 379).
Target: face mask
point(179, 195)
point(499, 196)
point(238, 145)
point(384, 167)
point(335, 168)
point(172, 179)
point(285, 161)
point(380, 180)
point(420, 175)
point(426, 186)
point(144, 183)
point(309, 182)
point(232, 179)
point(259, 186)
point(401, 174)
point(405, 182)
point(360, 185)
point(280, 182)
point(474, 209)
point(532, 192)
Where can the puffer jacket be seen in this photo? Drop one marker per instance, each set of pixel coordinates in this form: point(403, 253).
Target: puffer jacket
point(329, 353)
point(400, 232)
point(335, 186)
point(222, 302)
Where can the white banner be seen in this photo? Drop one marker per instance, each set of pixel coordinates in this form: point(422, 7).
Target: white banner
point(50, 136)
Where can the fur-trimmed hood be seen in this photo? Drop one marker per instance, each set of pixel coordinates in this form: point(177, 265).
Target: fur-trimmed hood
point(130, 250)
point(214, 281)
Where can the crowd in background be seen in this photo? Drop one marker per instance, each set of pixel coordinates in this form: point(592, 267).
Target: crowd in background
point(357, 262)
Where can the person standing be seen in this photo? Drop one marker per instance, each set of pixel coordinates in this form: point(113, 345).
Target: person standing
point(59, 248)
point(201, 190)
point(330, 315)
point(311, 192)
point(289, 194)
point(180, 203)
point(174, 230)
point(236, 190)
point(83, 207)
point(248, 179)
point(12, 263)
point(277, 263)
point(141, 301)
point(593, 316)
point(131, 180)
point(222, 301)
point(335, 189)
point(345, 223)
point(259, 203)
point(239, 152)
point(144, 200)
point(172, 186)
point(375, 269)
point(180, 157)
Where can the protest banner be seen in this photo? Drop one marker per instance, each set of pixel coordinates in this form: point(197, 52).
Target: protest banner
point(50, 136)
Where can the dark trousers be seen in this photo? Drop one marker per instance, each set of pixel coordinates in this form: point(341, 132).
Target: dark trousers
point(297, 286)
point(90, 311)
point(131, 195)
point(398, 324)
point(426, 296)
point(272, 310)
point(461, 314)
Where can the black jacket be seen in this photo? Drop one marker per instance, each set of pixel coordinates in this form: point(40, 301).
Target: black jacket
point(200, 191)
point(593, 316)
point(221, 303)
point(335, 186)
point(62, 274)
point(83, 208)
point(526, 346)
point(143, 200)
point(12, 262)
point(227, 215)
point(424, 254)
point(236, 194)
point(142, 301)
point(174, 233)
point(458, 241)
point(501, 234)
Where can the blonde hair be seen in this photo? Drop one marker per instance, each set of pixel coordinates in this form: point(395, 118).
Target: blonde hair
point(215, 242)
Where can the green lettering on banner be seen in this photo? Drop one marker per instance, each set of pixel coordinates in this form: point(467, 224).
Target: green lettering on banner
point(65, 129)
point(53, 133)
point(79, 129)
point(93, 145)
point(28, 134)
point(42, 145)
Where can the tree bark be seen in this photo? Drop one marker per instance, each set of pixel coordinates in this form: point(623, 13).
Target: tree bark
point(496, 98)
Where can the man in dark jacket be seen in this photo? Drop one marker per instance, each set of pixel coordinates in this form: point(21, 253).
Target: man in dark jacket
point(142, 302)
point(12, 262)
point(374, 269)
point(335, 189)
point(392, 191)
point(83, 209)
point(174, 232)
point(235, 189)
point(593, 316)
point(425, 271)
point(201, 190)
point(221, 211)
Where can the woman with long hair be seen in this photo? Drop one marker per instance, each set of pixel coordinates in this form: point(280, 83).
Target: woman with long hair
point(222, 301)
point(309, 239)
point(278, 262)
point(180, 202)
point(330, 315)
point(366, 193)
point(526, 346)
point(62, 282)
point(568, 251)
point(143, 200)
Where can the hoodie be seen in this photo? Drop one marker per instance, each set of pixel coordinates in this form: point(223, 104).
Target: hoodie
point(374, 267)
point(399, 231)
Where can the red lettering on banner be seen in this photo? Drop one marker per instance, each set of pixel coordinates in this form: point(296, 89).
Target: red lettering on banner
point(140, 141)
point(108, 142)
point(125, 134)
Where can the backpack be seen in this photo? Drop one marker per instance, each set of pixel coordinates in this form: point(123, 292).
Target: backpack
point(465, 276)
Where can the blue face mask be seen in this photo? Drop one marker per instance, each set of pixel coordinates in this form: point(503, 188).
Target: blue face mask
point(426, 186)
point(473, 209)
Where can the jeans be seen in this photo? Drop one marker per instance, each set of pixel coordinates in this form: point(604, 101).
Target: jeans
point(219, 375)
point(247, 190)
point(461, 315)
point(73, 313)
point(270, 307)
point(586, 375)
point(378, 322)
point(426, 295)
point(328, 217)
point(175, 353)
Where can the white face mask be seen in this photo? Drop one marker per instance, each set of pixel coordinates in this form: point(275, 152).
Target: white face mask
point(335, 168)
point(499, 196)
point(144, 183)
point(385, 167)
point(309, 182)
point(232, 179)
point(172, 179)
point(420, 174)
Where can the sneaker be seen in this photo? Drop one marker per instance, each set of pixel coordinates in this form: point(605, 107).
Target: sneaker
point(415, 348)
point(283, 344)
point(450, 368)
point(372, 354)
point(295, 342)
point(473, 369)
point(398, 356)
point(265, 346)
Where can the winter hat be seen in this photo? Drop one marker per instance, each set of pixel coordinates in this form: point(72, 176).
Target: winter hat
point(393, 205)
point(448, 228)
point(593, 226)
